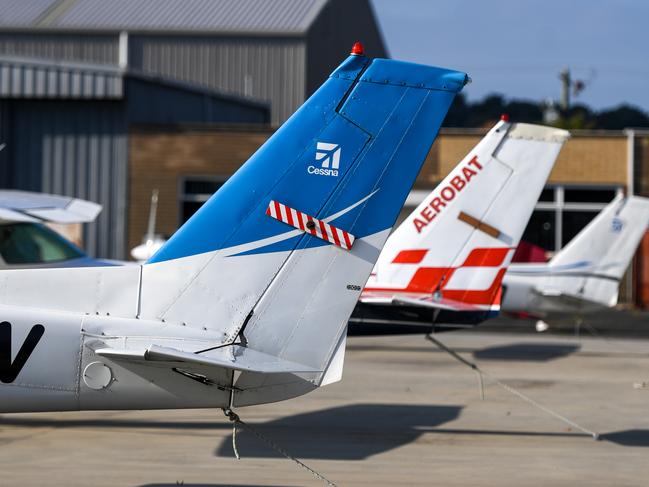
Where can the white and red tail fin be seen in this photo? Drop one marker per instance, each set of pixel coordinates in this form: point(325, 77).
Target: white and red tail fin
point(459, 241)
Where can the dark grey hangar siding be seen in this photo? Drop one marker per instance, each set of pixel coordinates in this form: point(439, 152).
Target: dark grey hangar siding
point(65, 125)
point(278, 51)
point(66, 47)
point(266, 69)
point(76, 148)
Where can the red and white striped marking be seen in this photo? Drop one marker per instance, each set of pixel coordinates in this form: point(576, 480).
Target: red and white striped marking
point(318, 228)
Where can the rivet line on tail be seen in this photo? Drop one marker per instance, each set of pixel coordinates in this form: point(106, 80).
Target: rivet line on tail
point(307, 223)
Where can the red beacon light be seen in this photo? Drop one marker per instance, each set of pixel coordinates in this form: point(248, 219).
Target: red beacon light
point(504, 117)
point(357, 49)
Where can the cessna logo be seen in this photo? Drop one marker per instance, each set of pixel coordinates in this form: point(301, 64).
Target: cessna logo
point(328, 156)
point(9, 370)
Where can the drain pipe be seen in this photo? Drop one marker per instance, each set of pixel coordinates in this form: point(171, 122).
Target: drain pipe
point(630, 159)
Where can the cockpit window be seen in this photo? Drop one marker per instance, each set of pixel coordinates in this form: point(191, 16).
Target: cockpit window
point(33, 243)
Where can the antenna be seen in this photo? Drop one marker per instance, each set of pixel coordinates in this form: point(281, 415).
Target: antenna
point(564, 76)
point(153, 210)
point(568, 83)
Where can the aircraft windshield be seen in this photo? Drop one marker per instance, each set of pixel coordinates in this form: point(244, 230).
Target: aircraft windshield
point(30, 243)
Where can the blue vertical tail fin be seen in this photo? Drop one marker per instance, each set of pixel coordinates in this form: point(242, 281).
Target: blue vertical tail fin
point(278, 256)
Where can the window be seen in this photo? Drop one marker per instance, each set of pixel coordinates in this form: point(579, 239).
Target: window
point(563, 211)
point(196, 190)
point(33, 243)
point(541, 229)
point(547, 194)
point(573, 222)
point(604, 196)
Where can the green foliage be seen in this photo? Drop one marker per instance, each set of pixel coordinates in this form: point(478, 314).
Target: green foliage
point(486, 112)
point(578, 117)
point(623, 116)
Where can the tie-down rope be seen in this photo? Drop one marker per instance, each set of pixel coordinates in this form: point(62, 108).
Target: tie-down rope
point(237, 421)
point(508, 388)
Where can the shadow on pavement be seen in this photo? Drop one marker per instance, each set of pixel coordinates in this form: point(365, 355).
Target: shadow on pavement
point(637, 438)
point(112, 423)
point(527, 352)
point(476, 432)
point(352, 432)
point(608, 323)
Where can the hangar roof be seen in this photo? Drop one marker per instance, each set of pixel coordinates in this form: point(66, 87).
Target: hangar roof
point(33, 78)
point(261, 17)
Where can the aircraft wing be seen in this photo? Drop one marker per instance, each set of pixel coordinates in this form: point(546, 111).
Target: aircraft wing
point(424, 301)
point(26, 206)
point(230, 357)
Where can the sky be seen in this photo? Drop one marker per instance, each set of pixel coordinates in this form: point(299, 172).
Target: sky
point(518, 47)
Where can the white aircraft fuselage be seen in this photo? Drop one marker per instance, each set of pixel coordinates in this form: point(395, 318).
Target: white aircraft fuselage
point(248, 302)
point(47, 363)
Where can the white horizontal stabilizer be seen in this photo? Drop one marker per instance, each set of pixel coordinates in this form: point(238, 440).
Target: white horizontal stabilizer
point(232, 357)
point(423, 301)
point(561, 299)
point(442, 303)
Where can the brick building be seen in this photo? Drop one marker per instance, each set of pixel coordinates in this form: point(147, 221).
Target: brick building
point(188, 163)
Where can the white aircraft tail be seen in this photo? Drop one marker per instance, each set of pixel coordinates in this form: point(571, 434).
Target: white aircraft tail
point(457, 244)
point(275, 261)
point(591, 266)
point(253, 293)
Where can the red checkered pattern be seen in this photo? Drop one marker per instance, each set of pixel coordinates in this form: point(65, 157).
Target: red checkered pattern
point(308, 224)
point(426, 280)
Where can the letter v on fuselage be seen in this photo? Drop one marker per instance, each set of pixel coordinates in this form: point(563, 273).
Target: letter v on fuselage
point(442, 268)
point(248, 302)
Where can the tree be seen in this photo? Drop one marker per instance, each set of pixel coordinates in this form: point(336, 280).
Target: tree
point(621, 117)
point(486, 112)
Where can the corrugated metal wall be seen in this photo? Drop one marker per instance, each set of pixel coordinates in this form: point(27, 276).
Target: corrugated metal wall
point(69, 47)
point(150, 102)
point(273, 66)
point(23, 78)
point(80, 147)
point(74, 148)
point(5, 160)
point(266, 69)
point(334, 31)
